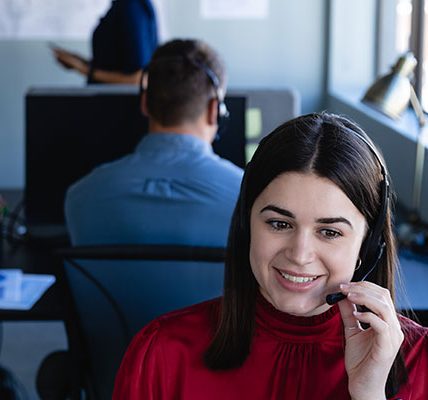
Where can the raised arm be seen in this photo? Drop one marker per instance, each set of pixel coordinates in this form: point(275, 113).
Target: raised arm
point(369, 353)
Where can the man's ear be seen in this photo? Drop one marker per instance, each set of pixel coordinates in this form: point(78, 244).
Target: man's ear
point(212, 112)
point(143, 105)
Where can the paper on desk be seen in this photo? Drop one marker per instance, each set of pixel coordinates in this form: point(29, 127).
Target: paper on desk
point(20, 291)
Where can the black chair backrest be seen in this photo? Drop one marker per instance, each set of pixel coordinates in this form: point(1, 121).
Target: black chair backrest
point(116, 290)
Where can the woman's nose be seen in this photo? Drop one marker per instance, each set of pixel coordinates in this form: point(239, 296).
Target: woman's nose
point(300, 248)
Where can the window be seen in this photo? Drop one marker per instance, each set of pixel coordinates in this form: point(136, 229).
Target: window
point(403, 25)
point(412, 34)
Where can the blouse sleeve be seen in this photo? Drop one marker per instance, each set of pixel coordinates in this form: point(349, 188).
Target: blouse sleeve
point(418, 376)
point(140, 374)
point(415, 352)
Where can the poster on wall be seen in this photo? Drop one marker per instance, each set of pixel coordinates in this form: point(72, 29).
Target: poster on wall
point(57, 19)
point(234, 9)
point(41, 19)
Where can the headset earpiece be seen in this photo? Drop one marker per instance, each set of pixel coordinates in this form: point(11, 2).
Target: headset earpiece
point(222, 111)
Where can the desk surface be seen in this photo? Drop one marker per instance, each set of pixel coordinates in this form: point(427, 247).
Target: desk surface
point(414, 269)
point(34, 260)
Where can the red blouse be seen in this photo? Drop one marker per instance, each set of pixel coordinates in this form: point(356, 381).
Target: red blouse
point(291, 358)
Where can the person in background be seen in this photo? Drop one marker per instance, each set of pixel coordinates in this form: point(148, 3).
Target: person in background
point(313, 218)
point(122, 44)
point(173, 189)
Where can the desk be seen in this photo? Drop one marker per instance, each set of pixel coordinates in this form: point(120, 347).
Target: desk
point(414, 268)
point(34, 259)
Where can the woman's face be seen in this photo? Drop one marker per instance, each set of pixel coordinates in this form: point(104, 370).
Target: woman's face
point(305, 238)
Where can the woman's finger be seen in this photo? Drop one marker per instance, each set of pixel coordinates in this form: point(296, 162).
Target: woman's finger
point(377, 299)
point(351, 324)
point(387, 335)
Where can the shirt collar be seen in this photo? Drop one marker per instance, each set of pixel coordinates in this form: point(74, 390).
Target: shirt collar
point(173, 141)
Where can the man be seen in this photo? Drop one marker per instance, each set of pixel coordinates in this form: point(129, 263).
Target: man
point(173, 189)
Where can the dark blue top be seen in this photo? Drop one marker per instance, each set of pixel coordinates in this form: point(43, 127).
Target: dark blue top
point(125, 37)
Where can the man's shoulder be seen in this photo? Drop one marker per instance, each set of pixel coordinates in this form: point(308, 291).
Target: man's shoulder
point(230, 166)
point(109, 173)
point(223, 169)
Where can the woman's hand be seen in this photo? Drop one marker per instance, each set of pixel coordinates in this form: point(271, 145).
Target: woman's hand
point(369, 353)
point(71, 60)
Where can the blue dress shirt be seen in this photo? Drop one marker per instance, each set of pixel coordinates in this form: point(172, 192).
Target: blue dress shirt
point(172, 190)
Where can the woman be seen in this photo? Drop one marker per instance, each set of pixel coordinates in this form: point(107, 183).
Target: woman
point(313, 218)
point(122, 44)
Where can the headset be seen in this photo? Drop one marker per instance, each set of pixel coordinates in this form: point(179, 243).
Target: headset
point(374, 245)
point(222, 111)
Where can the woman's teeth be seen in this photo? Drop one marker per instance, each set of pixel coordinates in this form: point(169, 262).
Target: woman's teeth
point(297, 279)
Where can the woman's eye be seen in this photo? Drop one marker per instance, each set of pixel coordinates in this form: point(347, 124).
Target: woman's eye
point(279, 225)
point(330, 233)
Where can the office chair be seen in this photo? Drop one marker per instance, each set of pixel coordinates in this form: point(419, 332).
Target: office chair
point(116, 290)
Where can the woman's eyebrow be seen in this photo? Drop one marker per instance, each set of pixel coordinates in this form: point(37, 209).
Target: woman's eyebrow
point(286, 213)
point(334, 220)
point(278, 210)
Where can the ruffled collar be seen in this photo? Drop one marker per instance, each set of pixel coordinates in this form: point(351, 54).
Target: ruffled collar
point(321, 327)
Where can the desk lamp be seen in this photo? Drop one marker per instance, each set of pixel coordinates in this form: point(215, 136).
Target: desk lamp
point(391, 94)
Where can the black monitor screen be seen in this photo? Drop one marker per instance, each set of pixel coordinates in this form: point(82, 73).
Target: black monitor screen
point(70, 131)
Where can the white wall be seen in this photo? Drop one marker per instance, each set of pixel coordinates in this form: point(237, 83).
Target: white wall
point(24, 64)
point(351, 44)
point(286, 49)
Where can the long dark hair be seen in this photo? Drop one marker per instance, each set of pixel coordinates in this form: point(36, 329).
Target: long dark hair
point(331, 147)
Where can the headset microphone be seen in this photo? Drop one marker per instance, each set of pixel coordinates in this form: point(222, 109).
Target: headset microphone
point(374, 245)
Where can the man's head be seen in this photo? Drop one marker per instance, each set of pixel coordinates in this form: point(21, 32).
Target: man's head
point(185, 79)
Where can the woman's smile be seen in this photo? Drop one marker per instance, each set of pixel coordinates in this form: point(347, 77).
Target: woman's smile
point(296, 277)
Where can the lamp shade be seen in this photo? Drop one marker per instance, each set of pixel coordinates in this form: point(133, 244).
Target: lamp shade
point(391, 93)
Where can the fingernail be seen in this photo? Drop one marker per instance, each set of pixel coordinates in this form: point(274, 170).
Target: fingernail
point(344, 286)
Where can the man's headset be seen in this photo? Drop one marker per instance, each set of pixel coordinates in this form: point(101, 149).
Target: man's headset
point(374, 245)
point(222, 111)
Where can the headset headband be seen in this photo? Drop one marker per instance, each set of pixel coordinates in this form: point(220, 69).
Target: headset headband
point(374, 245)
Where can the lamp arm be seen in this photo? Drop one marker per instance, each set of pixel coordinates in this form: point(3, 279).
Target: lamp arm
point(418, 175)
point(420, 152)
point(417, 107)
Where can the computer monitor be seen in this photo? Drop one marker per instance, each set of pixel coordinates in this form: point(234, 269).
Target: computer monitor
point(69, 131)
